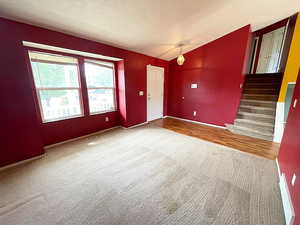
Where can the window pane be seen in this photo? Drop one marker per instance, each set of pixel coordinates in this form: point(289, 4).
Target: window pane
point(101, 100)
point(60, 104)
point(54, 75)
point(98, 76)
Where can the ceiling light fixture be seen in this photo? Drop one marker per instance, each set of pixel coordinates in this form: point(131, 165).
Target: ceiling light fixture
point(180, 58)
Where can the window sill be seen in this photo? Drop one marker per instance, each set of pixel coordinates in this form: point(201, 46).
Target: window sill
point(78, 116)
point(62, 119)
point(102, 112)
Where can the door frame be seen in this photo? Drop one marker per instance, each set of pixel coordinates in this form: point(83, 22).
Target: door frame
point(259, 34)
point(161, 69)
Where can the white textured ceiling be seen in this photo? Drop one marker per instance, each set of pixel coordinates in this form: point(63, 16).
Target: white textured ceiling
point(151, 27)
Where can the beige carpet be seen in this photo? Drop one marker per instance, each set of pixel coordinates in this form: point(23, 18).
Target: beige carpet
point(146, 175)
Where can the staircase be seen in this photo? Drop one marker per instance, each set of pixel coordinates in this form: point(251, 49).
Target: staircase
point(256, 115)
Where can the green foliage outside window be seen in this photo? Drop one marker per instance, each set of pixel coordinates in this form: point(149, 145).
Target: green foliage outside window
point(48, 75)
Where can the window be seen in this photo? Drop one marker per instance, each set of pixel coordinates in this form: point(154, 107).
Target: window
point(100, 85)
point(57, 84)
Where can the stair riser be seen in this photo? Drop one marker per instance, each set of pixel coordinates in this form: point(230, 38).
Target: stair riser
point(265, 129)
point(260, 104)
point(256, 118)
point(261, 91)
point(262, 86)
point(266, 84)
point(261, 98)
point(264, 80)
point(261, 75)
point(260, 111)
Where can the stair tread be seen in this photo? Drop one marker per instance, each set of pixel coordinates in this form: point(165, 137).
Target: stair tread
point(247, 134)
point(256, 114)
point(261, 95)
point(257, 107)
point(258, 101)
point(262, 85)
point(255, 127)
point(254, 122)
point(261, 89)
point(247, 129)
point(263, 82)
point(265, 97)
point(248, 105)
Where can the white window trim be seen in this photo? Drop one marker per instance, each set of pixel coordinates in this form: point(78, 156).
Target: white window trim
point(69, 51)
point(59, 118)
point(38, 89)
point(111, 88)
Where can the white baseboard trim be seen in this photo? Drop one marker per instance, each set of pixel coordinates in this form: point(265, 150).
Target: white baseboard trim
point(287, 204)
point(21, 162)
point(56, 144)
point(193, 121)
point(279, 122)
point(137, 125)
point(47, 147)
point(288, 208)
point(278, 168)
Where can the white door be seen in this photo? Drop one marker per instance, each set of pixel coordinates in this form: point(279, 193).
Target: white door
point(271, 47)
point(155, 92)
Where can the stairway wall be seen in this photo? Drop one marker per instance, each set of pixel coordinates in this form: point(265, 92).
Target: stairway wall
point(289, 154)
point(290, 75)
point(218, 68)
point(293, 62)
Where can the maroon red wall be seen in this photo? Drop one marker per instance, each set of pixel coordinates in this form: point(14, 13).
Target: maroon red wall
point(22, 133)
point(215, 66)
point(121, 91)
point(135, 80)
point(289, 154)
point(218, 68)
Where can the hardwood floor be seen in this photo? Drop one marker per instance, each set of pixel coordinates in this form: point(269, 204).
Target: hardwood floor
point(255, 146)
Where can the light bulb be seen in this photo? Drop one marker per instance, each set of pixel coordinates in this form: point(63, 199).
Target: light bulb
point(180, 60)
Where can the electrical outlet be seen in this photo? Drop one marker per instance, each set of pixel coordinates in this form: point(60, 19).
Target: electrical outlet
point(106, 119)
point(293, 179)
point(195, 113)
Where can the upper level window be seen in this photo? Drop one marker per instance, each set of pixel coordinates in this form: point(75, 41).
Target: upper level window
point(56, 79)
point(101, 86)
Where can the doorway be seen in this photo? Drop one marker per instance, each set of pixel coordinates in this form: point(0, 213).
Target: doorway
point(270, 51)
point(155, 92)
